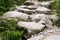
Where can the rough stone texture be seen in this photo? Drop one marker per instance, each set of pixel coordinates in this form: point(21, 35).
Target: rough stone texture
point(25, 10)
point(31, 25)
point(43, 10)
point(38, 17)
point(28, 7)
point(35, 17)
point(53, 37)
point(53, 17)
point(37, 37)
point(45, 4)
point(16, 15)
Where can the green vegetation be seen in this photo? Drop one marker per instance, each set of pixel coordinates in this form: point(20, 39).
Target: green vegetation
point(19, 2)
point(8, 30)
point(56, 6)
point(57, 23)
point(6, 4)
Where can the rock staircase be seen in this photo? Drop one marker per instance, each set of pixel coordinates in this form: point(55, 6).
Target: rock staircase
point(36, 18)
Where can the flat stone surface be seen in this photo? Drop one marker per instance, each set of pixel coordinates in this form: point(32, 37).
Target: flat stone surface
point(53, 37)
point(15, 15)
point(43, 10)
point(28, 7)
point(25, 10)
point(31, 25)
point(37, 37)
point(45, 4)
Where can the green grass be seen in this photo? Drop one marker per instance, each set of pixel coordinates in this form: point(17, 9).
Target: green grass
point(56, 6)
point(5, 5)
point(9, 31)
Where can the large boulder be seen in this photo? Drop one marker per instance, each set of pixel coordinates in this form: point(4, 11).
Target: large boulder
point(42, 10)
point(31, 25)
point(53, 37)
point(15, 15)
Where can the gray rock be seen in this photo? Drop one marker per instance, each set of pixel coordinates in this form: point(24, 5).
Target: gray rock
point(45, 4)
point(43, 10)
point(40, 37)
point(54, 17)
point(16, 15)
point(53, 37)
point(42, 22)
point(25, 10)
point(27, 3)
point(31, 2)
point(31, 25)
point(28, 7)
point(49, 26)
point(37, 17)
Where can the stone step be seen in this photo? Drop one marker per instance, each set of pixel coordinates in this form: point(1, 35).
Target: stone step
point(31, 26)
point(32, 7)
point(43, 10)
point(29, 3)
point(44, 4)
point(15, 15)
point(40, 37)
point(38, 10)
point(53, 37)
point(37, 17)
point(48, 34)
point(25, 10)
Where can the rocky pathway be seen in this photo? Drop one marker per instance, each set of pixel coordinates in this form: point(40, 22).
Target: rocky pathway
point(37, 19)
